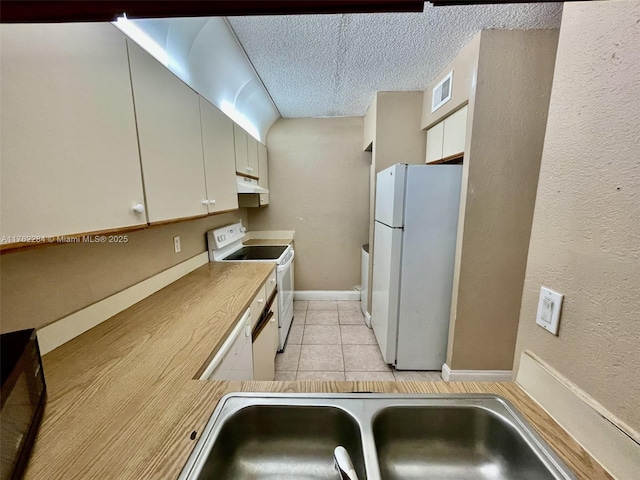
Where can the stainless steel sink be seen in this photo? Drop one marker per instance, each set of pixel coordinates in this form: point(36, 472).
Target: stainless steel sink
point(281, 442)
point(287, 436)
point(453, 442)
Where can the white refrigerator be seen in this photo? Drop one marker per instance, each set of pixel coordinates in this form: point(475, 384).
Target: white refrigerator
point(416, 221)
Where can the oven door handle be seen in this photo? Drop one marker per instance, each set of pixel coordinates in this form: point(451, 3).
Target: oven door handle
point(282, 268)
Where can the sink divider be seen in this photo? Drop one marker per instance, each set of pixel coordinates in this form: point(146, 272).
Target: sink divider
point(365, 416)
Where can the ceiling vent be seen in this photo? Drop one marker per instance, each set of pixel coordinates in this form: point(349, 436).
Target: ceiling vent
point(442, 92)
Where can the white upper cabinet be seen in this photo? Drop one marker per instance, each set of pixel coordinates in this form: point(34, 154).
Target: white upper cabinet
point(447, 138)
point(242, 158)
point(435, 137)
point(455, 132)
point(252, 156)
point(258, 199)
point(69, 153)
point(246, 152)
point(170, 138)
point(219, 158)
point(263, 168)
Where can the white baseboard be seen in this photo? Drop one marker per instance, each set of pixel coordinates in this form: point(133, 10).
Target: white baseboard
point(449, 375)
point(326, 295)
point(69, 327)
point(611, 442)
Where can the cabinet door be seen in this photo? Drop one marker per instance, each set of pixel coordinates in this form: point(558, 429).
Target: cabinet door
point(219, 158)
point(271, 284)
point(69, 153)
point(257, 305)
point(240, 139)
point(265, 347)
point(252, 156)
point(264, 363)
point(236, 362)
point(455, 130)
point(170, 137)
point(434, 142)
point(263, 168)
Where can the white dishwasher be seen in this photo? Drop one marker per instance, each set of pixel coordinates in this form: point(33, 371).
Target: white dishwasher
point(234, 360)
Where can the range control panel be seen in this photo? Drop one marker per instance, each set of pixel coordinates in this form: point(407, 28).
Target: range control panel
point(224, 236)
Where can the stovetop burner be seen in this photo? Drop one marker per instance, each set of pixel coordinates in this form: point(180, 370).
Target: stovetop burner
point(258, 252)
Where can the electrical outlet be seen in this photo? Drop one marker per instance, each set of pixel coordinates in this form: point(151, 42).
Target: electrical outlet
point(549, 305)
point(176, 244)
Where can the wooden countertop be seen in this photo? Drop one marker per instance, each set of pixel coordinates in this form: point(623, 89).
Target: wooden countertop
point(273, 241)
point(123, 400)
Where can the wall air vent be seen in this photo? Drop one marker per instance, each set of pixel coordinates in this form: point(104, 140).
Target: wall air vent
point(442, 92)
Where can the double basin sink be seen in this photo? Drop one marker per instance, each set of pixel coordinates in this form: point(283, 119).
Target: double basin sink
point(388, 437)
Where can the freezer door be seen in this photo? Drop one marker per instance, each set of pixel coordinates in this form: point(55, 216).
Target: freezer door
point(428, 257)
point(386, 288)
point(390, 195)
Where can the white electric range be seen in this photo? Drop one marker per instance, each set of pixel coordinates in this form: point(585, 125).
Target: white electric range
point(225, 245)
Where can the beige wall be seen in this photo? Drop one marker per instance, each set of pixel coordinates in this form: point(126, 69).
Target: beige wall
point(319, 187)
point(398, 137)
point(585, 240)
point(506, 125)
point(393, 122)
point(44, 284)
point(370, 120)
point(464, 68)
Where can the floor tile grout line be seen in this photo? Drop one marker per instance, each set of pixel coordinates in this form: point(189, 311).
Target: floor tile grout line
point(304, 327)
point(299, 355)
point(344, 360)
point(344, 363)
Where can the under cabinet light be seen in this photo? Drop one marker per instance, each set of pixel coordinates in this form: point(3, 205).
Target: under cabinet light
point(230, 110)
point(134, 32)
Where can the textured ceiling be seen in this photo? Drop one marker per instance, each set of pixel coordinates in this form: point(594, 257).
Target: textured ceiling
point(332, 65)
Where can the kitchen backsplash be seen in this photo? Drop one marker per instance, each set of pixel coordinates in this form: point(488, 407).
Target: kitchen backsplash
point(42, 285)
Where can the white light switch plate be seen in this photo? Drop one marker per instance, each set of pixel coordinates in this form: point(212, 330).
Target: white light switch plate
point(176, 244)
point(549, 306)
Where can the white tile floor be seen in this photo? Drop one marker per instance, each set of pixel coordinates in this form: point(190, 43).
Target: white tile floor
point(330, 341)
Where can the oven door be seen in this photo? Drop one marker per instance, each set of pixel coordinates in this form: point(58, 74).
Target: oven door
point(284, 279)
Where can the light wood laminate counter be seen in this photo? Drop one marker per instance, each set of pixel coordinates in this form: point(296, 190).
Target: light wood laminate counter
point(123, 401)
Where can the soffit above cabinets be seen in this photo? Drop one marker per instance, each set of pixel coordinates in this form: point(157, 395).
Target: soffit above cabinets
point(205, 54)
point(256, 68)
point(332, 65)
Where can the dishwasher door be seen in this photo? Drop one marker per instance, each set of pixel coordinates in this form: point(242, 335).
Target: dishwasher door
point(234, 360)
